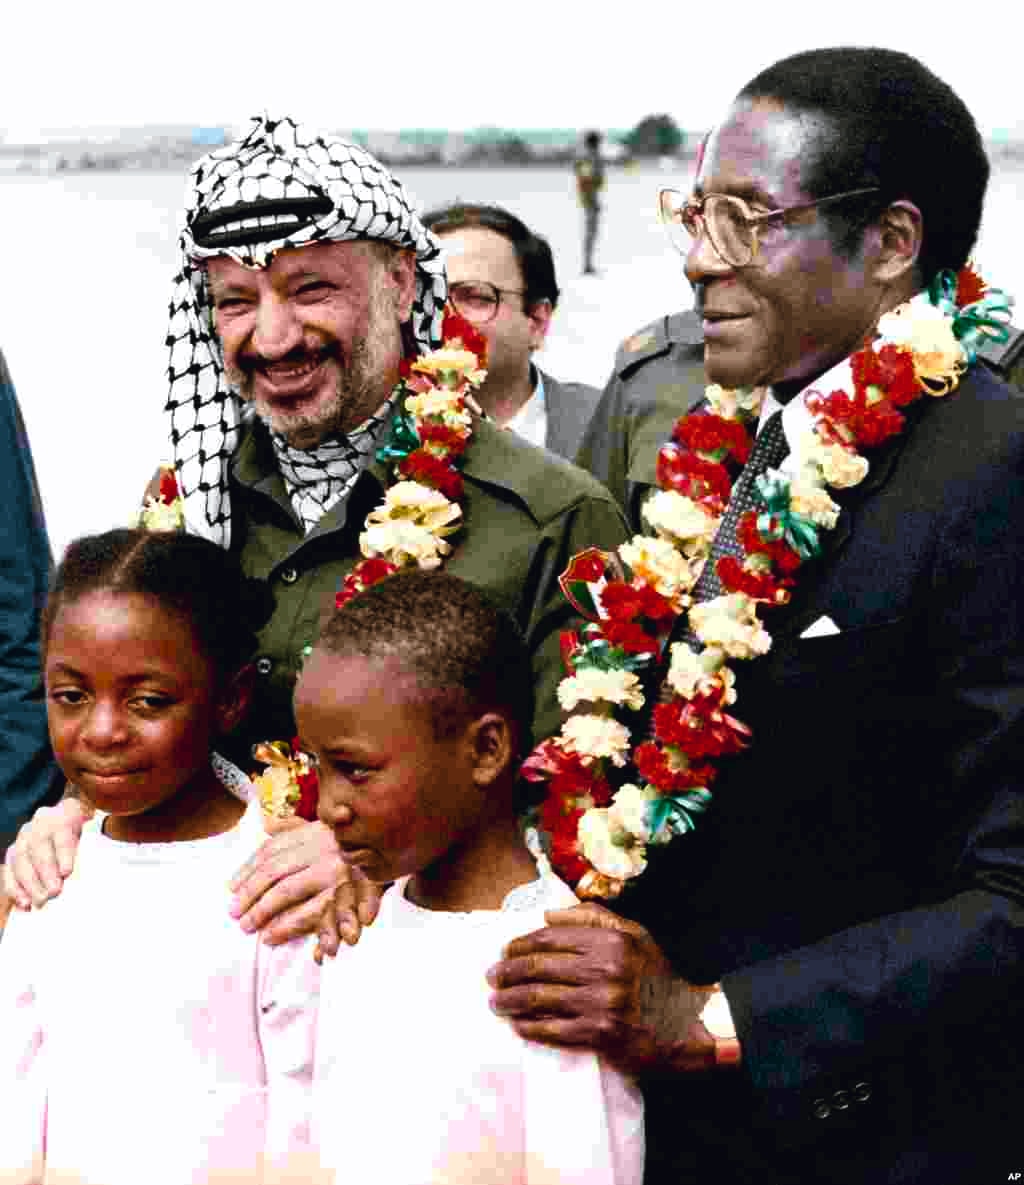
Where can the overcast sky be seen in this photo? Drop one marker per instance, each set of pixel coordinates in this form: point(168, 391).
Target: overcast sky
point(541, 63)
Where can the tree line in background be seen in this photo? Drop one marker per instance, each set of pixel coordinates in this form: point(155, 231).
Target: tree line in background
point(147, 149)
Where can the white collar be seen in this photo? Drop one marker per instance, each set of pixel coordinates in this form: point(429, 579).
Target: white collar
point(531, 420)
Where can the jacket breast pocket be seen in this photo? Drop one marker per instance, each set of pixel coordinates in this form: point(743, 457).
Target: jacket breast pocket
point(869, 655)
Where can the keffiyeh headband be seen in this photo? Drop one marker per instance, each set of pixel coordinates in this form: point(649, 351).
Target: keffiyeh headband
point(282, 185)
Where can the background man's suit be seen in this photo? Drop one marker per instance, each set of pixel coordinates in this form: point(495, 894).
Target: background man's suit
point(28, 774)
point(569, 407)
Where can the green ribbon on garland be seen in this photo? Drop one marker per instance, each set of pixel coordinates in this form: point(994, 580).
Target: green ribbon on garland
point(988, 318)
point(599, 655)
point(402, 441)
point(777, 521)
point(670, 815)
point(942, 291)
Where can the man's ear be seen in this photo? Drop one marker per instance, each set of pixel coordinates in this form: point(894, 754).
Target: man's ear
point(493, 747)
point(539, 316)
point(900, 230)
point(401, 270)
point(235, 698)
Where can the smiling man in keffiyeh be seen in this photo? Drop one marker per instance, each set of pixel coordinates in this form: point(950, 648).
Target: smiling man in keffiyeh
point(284, 186)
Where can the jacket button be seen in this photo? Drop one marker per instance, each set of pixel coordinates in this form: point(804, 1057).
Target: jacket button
point(289, 575)
point(861, 1092)
point(821, 1109)
point(841, 1100)
point(264, 666)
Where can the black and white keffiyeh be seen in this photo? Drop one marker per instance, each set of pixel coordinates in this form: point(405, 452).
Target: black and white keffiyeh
point(316, 478)
point(282, 185)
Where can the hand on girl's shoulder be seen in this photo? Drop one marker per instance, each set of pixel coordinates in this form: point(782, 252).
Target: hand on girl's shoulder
point(43, 854)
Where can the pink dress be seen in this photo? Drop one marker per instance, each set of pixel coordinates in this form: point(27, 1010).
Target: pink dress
point(143, 1036)
point(418, 1082)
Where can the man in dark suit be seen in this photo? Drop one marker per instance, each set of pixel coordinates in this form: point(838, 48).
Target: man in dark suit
point(855, 891)
point(28, 773)
point(501, 276)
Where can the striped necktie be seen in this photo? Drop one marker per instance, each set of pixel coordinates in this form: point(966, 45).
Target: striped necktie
point(770, 449)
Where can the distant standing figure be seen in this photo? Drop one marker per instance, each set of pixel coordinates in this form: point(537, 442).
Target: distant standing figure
point(27, 768)
point(589, 183)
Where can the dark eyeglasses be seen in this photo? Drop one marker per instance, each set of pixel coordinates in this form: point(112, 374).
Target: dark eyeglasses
point(479, 302)
point(731, 224)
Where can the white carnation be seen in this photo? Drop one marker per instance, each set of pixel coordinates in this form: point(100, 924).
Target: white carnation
point(599, 846)
point(628, 813)
point(591, 686)
point(596, 736)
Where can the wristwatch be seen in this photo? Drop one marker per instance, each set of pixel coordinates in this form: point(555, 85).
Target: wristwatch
point(716, 1017)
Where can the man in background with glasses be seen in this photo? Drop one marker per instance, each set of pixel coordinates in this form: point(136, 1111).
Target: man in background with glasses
point(823, 980)
point(501, 276)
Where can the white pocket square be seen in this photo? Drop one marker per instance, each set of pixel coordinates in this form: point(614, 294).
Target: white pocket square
point(821, 628)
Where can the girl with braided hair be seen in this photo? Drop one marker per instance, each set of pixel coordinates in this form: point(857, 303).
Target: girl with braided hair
point(134, 1007)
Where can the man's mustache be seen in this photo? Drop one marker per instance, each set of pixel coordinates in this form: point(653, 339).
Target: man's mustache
point(250, 363)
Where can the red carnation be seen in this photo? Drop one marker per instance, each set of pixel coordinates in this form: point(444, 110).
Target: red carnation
point(627, 602)
point(784, 559)
point(969, 286)
point(762, 586)
point(365, 573)
point(456, 330)
point(432, 471)
point(634, 639)
point(565, 854)
point(441, 435)
point(891, 369)
point(689, 474)
point(696, 734)
point(870, 424)
point(375, 569)
point(706, 432)
point(168, 486)
point(309, 796)
point(653, 765)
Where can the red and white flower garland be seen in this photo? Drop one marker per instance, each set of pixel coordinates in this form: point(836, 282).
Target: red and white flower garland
point(598, 835)
point(410, 527)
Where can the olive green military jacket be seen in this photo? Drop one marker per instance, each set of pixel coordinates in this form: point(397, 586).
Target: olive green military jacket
point(658, 375)
point(525, 513)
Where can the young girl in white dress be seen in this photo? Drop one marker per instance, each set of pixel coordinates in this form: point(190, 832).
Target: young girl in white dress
point(415, 704)
point(143, 1036)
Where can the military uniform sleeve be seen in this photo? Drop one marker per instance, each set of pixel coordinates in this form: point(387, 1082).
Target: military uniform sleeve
point(657, 377)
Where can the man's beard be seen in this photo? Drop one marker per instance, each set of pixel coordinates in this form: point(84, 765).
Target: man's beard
point(363, 383)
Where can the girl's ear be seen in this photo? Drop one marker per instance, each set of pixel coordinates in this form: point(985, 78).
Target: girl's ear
point(493, 747)
point(235, 698)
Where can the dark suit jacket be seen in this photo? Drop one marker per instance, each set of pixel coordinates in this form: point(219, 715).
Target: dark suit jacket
point(28, 774)
point(858, 882)
point(569, 408)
